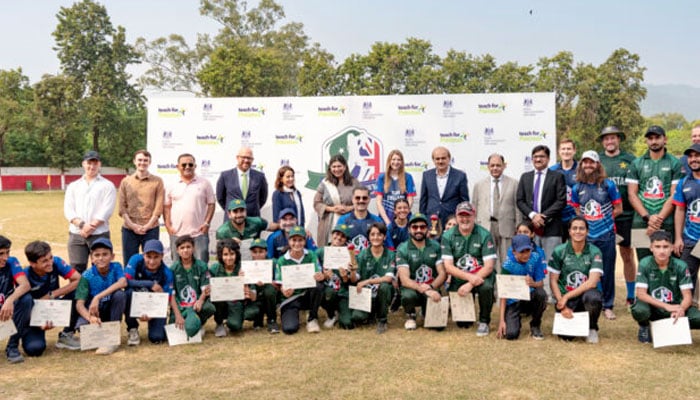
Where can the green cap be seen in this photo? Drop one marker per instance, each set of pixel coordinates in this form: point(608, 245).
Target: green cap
point(259, 243)
point(418, 217)
point(342, 228)
point(235, 204)
point(297, 231)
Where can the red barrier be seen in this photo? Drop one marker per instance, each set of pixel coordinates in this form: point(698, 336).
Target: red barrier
point(46, 182)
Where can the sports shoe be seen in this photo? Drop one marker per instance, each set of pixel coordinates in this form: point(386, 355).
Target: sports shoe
point(644, 335)
point(609, 314)
point(410, 324)
point(68, 341)
point(536, 333)
point(133, 338)
point(381, 327)
point(14, 356)
point(105, 351)
point(482, 329)
point(312, 326)
point(220, 330)
point(328, 324)
point(272, 327)
point(592, 336)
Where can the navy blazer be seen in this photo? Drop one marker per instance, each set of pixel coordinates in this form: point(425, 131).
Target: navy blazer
point(553, 200)
point(456, 191)
point(282, 200)
point(228, 188)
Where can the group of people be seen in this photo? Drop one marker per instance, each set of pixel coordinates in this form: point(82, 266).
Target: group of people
point(557, 226)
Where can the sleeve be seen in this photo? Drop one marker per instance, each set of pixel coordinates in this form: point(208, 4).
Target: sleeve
point(596, 260)
point(575, 202)
point(423, 200)
point(263, 190)
point(678, 198)
point(401, 256)
point(554, 265)
point(167, 199)
point(677, 171)
point(220, 191)
point(613, 193)
point(632, 173)
point(160, 197)
point(380, 185)
point(205, 273)
point(209, 192)
point(391, 264)
point(69, 203)
point(319, 205)
point(488, 247)
point(446, 246)
point(83, 290)
point(130, 269)
point(539, 267)
point(410, 186)
point(221, 231)
point(169, 281)
point(65, 270)
point(271, 244)
point(277, 271)
point(123, 204)
point(15, 268)
point(118, 271)
point(642, 279)
point(276, 205)
point(109, 198)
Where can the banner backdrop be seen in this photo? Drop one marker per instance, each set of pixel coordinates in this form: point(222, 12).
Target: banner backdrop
point(304, 132)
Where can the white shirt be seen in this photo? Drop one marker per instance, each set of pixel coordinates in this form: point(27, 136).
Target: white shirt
point(543, 176)
point(441, 181)
point(90, 201)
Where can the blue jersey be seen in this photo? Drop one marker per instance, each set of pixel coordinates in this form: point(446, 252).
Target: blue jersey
point(42, 285)
point(397, 234)
point(358, 230)
point(570, 177)
point(93, 283)
point(394, 193)
point(277, 244)
point(596, 203)
point(9, 273)
point(688, 195)
point(139, 277)
point(534, 268)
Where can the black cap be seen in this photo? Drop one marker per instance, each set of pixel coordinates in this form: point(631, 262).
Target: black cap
point(609, 130)
point(694, 148)
point(91, 155)
point(655, 130)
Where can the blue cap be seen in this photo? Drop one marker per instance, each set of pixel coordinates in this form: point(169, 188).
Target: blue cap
point(287, 211)
point(153, 245)
point(521, 242)
point(101, 243)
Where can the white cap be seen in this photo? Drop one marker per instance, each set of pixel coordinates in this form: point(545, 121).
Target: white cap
point(591, 155)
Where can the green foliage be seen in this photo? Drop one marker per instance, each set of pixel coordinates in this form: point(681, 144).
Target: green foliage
point(16, 117)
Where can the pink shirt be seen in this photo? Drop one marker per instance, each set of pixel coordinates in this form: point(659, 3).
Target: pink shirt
point(189, 205)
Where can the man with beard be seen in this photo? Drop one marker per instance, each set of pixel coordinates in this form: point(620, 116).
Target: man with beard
point(420, 269)
point(240, 226)
point(694, 139)
point(651, 181)
point(359, 220)
point(597, 199)
point(687, 216)
point(470, 256)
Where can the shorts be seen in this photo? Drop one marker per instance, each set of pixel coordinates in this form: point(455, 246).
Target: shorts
point(624, 229)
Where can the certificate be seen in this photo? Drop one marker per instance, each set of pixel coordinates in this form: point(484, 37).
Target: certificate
point(618, 239)
point(7, 329)
point(696, 251)
point(93, 336)
point(178, 336)
point(512, 287)
point(150, 304)
point(640, 239)
point(360, 301)
point(665, 333)
point(55, 311)
point(436, 313)
point(336, 257)
point(299, 276)
point(255, 271)
point(576, 326)
point(245, 249)
point(462, 307)
point(227, 288)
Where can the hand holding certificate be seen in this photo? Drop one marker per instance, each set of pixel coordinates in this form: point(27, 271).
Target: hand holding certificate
point(299, 276)
point(244, 246)
point(7, 329)
point(512, 287)
point(178, 336)
point(228, 288)
point(671, 332)
point(462, 307)
point(436, 313)
point(149, 304)
point(255, 271)
point(106, 334)
point(576, 326)
point(336, 257)
point(50, 313)
point(360, 301)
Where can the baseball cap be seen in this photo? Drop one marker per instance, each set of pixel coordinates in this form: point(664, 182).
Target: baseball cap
point(297, 231)
point(695, 147)
point(287, 211)
point(609, 130)
point(101, 243)
point(342, 228)
point(153, 245)
point(591, 155)
point(259, 243)
point(235, 204)
point(91, 155)
point(655, 130)
point(465, 207)
point(521, 242)
point(418, 217)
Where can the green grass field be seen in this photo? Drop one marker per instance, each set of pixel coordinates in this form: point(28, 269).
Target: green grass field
point(355, 364)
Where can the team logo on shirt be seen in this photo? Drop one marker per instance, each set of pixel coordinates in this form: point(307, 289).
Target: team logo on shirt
point(424, 274)
point(374, 286)
point(654, 189)
point(568, 195)
point(694, 211)
point(663, 294)
point(188, 296)
point(592, 211)
point(574, 280)
point(334, 282)
point(360, 242)
point(467, 263)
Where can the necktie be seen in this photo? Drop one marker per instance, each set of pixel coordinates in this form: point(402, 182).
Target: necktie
point(244, 186)
point(496, 199)
point(536, 193)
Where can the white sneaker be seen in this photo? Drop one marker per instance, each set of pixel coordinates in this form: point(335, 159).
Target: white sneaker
point(220, 331)
point(312, 326)
point(105, 351)
point(410, 324)
point(133, 339)
point(592, 336)
point(330, 322)
point(482, 330)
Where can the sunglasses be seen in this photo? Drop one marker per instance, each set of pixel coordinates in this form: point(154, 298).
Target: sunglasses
point(419, 227)
point(187, 165)
point(361, 197)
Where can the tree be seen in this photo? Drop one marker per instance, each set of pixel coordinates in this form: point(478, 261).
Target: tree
point(15, 114)
point(318, 75)
point(464, 73)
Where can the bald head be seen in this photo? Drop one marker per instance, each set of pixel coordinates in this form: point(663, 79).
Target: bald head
point(244, 158)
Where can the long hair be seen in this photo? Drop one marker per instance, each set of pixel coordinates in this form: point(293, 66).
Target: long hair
point(280, 174)
point(401, 172)
point(347, 178)
point(597, 177)
point(232, 246)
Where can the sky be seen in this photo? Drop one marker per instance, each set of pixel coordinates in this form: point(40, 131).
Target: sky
point(661, 33)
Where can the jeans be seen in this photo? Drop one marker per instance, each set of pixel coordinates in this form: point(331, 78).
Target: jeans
point(534, 307)
point(606, 244)
point(21, 316)
point(132, 242)
point(156, 326)
point(110, 310)
point(309, 300)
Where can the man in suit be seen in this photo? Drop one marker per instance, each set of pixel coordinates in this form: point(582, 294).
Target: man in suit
point(242, 182)
point(496, 208)
point(541, 198)
point(443, 187)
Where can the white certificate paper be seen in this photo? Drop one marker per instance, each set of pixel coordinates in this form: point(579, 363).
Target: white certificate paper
point(227, 288)
point(245, 249)
point(150, 304)
point(360, 301)
point(56, 311)
point(336, 257)
point(300, 276)
point(179, 336)
point(576, 326)
point(255, 271)
point(93, 336)
point(665, 333)
point(436, 313)
point(639, 239)
point(512, 287)
point(7, 329)
point(696, 251)
point(462, 307)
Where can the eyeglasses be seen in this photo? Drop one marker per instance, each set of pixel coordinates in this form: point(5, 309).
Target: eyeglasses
point(245, 158)
point(419, 227)
point(361, 197)
point(187, 165)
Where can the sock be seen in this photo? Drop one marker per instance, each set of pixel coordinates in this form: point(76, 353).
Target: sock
point(630, 290)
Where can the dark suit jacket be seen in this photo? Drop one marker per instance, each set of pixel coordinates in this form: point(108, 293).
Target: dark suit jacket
point(553, 200)
point(456, 192)
point(228, 188)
